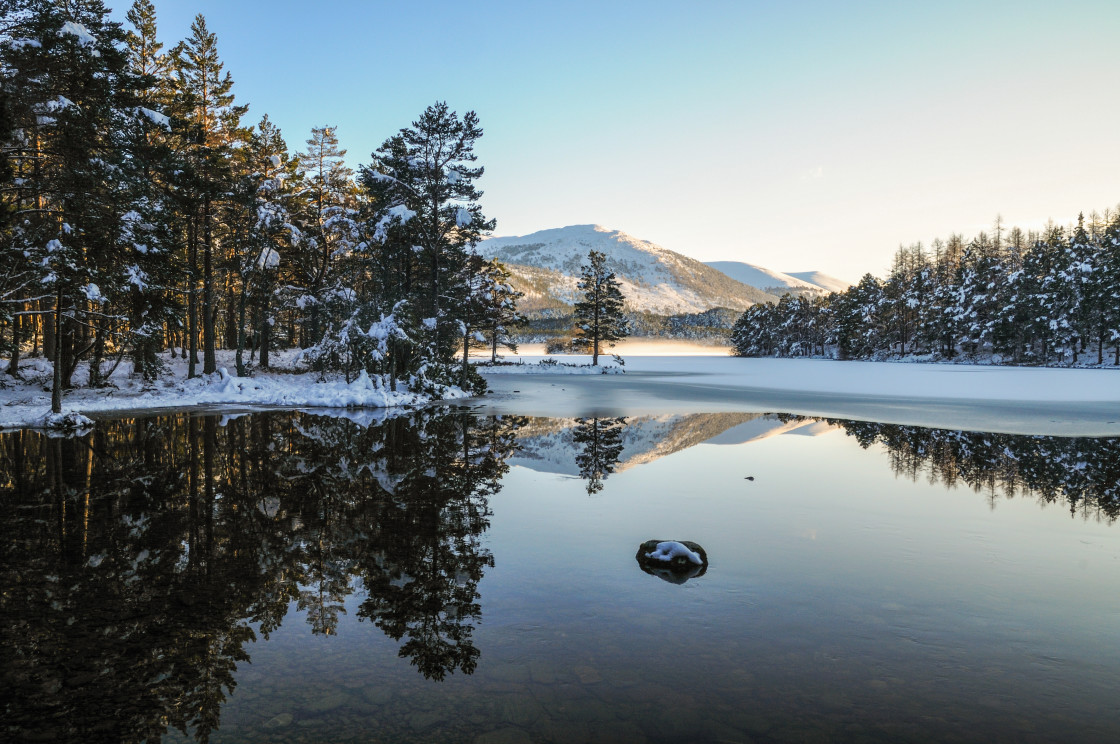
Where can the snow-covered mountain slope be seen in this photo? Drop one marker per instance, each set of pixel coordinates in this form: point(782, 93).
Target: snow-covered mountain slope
point(774, 282)
point(546, 266)
point(831, 283)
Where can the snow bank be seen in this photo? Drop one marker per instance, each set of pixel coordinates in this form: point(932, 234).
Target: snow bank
point(26, 405)
point(547, 368)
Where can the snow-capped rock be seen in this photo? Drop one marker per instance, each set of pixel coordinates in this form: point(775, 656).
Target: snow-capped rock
point(831, 283)
point(768, 280)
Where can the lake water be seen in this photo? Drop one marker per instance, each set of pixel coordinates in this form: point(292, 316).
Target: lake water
point(451, 576)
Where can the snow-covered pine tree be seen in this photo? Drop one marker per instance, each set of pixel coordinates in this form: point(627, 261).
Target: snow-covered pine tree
point(1110, 272)
point(598, 315)
point(329, 202)
point(860, 332)
point(497, 305)
point(271, 186)
point(71, 105)
point(16, 273)
point(425, 218)
point(211, 126)
point(154, 265)
point(1093, 284)
point(755, 331)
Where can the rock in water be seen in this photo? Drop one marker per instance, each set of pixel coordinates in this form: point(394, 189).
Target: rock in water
point(675, 561)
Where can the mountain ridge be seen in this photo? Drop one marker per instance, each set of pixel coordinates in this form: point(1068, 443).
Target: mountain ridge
point(762, 278)
point(546, 266)
point(819, 278)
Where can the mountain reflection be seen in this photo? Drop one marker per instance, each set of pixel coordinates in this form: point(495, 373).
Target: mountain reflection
point(139, 560)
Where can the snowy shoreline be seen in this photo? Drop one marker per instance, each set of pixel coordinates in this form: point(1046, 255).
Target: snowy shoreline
point(27, 404)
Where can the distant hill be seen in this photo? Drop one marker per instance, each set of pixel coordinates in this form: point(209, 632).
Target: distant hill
point(769, 281)
point(831, 283)
point(546, 265)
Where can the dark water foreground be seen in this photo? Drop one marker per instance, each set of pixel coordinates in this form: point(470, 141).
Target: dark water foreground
point(444, 576)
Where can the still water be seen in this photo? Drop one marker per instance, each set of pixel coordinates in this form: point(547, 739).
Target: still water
point(447, 576)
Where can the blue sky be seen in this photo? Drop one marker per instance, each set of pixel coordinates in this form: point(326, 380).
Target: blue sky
point(794, 135)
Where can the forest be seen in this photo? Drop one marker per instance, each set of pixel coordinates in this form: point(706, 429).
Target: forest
point(142, 214)
point(1007, 296)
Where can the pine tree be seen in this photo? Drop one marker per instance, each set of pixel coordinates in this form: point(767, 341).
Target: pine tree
point(271, 185)
point(598, 316)
point(1110, 271)
point(212, 125)
point(155, 264)
point(425, 218)
point(497, 308)
point(329, 210)
point(72, 104)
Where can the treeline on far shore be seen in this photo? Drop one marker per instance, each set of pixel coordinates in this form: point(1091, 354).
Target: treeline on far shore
point(1007, 296)
point(711, 325)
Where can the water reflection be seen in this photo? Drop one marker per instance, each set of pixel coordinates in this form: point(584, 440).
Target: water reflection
point(139, 560)
point(1084, 474)
point(600, 445)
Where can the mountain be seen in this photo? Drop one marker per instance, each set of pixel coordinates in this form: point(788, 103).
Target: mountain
point(772, 282)
point(545, 265)
point(831, 283)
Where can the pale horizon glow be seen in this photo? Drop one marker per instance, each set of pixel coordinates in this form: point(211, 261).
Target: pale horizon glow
point(809, 136)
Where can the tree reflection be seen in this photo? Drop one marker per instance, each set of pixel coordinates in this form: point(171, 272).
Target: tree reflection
point(1081, 472)
point(139, 560)
point(600, 442)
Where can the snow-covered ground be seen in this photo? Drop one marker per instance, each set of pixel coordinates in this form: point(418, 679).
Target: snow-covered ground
point(28, 403)
point(1072, 402)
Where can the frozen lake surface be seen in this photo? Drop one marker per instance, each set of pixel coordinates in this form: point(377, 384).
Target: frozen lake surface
point(464, 575)
point(1023, 400)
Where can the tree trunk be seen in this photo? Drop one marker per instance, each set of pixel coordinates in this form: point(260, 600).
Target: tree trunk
point(466, 355)
point(56, 383)
point(241, 335)
point(265, 329)
point(46, 310)
point(98, 355)
point(595, 337)
point(191, 345)
point(17, 322)
point(209, 361)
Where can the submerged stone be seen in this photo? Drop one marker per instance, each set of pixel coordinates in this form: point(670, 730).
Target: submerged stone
point(284, 719)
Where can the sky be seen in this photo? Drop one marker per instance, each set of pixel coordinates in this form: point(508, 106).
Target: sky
point(793, 135)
